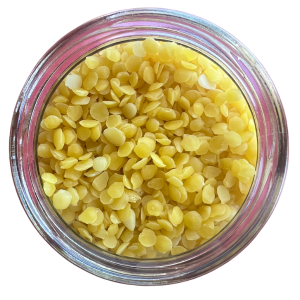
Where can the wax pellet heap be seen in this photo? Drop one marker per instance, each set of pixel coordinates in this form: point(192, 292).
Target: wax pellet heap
point(147, 149)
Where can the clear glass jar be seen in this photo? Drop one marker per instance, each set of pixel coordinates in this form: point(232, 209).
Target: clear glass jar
point(201, 36)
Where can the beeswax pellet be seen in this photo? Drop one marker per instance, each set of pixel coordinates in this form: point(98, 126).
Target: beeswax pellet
point(192, 220)
point(154, 208)
point(62, 199)
point(147, 237)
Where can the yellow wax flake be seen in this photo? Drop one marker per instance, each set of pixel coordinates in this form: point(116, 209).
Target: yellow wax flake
point(194, 183)
point(147, 237)
point(147, 149)
point(78, 100)
point(191, 235)
point(58, 139)
point(204, 212)
point(163, 244)
point(88, 216)
point(166, 114)
point(92, 61)
point(62, 199)
point(175, 181)
point(89, 123)
point(83, 165)
point(188, 65)
point(236, 124)
point(223, 194)
point(140, 164)
point(198, 108)
point(100, 182)
point(99, 111)
point(113, 121)
point(110, 242)
point(136, 180)
point(211, 172)
point(60, 99)
point(154, 208)
point(173, 125)
point(156, 183)
point(192, 220)
point(212, 74)
point(148, 171)
point(129, 110)
point(176, 216)
point(113, 55)
point(165, 225)
point(190, 143)
point(208, 194)
point(233, 95)
point(52, 122)
point(211, 110)
point(115, 136)
point(68, 163)
point(150, 45)
point(73, 81)
point(116, 190)
point(49, 188)
point(157, 160)
point(99, 164)
point(142, 150)
point(177, 250)
point(125, 149)
point(233, 138)
point(48, 177)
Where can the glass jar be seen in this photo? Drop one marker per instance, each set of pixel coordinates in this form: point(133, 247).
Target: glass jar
point(216, 44)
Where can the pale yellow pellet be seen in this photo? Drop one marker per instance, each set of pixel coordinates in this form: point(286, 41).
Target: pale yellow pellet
point(208, 194)
point(129, 110)
point(48, 177)
point(163, 244)
point(73, 81)
point(194, 183)
point(99, 164)
point(62, 199)
point(52, 122)
point(49, 188)
point(58, 139)
point(147, 237)
point(116, 190)
point(115, 136)
point(99, 111)
point(176, 216)
point(88, 216)
point(100, 182)
point(223, 194)
point(154, 208)
point(192, 220)
point(190, 143)
point(92, 62)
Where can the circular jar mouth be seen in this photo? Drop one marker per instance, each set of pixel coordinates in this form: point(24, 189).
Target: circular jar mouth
point(201, 36)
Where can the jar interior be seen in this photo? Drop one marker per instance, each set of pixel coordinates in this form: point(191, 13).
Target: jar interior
point(200, 51)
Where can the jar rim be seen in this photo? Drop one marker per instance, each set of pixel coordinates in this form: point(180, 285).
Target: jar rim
point(206, 38)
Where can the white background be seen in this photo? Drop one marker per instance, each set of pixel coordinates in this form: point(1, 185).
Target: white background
point(267, 269)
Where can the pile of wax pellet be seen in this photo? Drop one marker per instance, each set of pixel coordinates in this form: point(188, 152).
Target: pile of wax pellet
point(147, 149)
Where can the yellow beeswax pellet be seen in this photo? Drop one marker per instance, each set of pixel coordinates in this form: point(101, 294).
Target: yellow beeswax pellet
point(163, 244)
point(154, 208)
point(192, 220)
point(62, 199)
point(147, 237)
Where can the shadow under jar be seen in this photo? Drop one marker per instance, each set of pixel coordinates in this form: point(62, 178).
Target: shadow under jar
point(219, 46)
